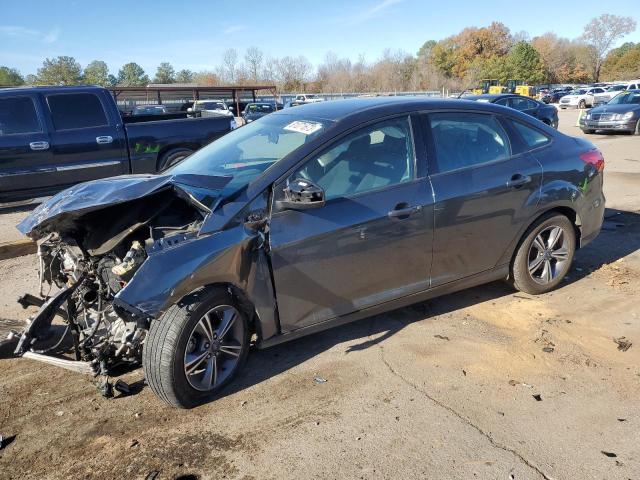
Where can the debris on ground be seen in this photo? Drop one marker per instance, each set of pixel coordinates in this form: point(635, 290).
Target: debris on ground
point(6, 441)
point(622, 419)
point(623, 343)
point(122, 387)
point(320, 380)
point(152, 475)
point(134, 443)
point(464, 372)
point(548, 349)
point(243, 403)
point(442, 337)
point(609, 454)
point(538, 397)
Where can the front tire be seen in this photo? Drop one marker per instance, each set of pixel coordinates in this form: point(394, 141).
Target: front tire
point(588, 131)
point(544, 256)
point(196, 348)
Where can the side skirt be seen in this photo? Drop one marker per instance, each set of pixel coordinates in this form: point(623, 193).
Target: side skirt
point(497, 273)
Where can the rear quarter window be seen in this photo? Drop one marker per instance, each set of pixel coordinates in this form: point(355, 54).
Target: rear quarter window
point(532, 138)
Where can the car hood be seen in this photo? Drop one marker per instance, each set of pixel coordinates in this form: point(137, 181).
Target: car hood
point(621, 108)
point(201, 190)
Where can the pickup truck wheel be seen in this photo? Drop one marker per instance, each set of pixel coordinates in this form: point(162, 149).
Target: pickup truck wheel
point(173, 156)
point(196, 348)
point(544, 256)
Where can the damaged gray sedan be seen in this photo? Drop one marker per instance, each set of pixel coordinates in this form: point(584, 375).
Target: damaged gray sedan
point(305, 219)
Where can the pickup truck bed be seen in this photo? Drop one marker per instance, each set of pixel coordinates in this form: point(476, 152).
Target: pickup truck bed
point(54, 137)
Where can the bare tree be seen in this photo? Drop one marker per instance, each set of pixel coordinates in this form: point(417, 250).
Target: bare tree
point(230, 64)
point(602, 32)
point(293, 72)
point(253, 58)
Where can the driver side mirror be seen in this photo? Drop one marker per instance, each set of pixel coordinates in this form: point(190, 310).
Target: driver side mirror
point(301, 194)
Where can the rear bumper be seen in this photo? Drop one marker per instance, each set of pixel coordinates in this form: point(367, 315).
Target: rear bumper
point(592, 213)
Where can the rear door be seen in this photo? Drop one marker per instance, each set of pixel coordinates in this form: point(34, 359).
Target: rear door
point(25, 154)
point(86, 143)
point(369, 244)
point(483, 190)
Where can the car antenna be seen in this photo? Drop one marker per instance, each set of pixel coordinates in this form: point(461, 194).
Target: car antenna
point(462, 93)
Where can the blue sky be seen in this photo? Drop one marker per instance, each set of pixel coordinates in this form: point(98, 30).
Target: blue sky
point(194, 34)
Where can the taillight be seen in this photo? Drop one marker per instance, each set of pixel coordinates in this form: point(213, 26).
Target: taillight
point(593, 157)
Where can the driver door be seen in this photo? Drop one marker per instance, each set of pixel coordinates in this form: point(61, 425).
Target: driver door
point(371, 241)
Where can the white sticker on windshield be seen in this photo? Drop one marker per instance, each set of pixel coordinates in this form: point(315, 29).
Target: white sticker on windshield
point(301, 126)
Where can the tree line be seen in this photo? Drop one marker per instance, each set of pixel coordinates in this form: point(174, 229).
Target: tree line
point(456, 62)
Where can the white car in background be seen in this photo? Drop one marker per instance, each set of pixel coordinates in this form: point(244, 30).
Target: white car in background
point(580, 97)
point(211, 108)
point(614, 90)
point(307, 98)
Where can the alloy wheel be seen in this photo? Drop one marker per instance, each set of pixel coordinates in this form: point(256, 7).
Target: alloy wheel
point(214, 347)
point(548, 255)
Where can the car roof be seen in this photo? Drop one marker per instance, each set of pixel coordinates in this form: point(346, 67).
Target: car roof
point(492, 96)
point(339, 110)
point(50, 89)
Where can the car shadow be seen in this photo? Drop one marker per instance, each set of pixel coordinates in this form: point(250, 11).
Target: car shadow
point(619, 237)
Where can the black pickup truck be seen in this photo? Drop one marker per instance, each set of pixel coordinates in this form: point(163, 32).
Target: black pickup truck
point(54, 137)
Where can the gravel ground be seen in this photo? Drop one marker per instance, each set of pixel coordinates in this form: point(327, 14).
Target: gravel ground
point(443, 389)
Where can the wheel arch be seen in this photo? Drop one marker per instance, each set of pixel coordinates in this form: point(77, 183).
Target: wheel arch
point(173, 146)
point(565, 210)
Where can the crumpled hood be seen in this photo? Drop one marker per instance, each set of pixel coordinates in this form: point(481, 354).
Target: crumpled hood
point(97, 194)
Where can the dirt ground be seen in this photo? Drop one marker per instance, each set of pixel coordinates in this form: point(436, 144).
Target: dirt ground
point(486, 383)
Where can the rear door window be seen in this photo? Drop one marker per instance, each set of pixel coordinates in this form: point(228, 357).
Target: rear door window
point(522, 103)
point(18, 116)
point(463, 140)
point(76, 110)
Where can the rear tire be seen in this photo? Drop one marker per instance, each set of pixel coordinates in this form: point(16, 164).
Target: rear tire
point(172, 157)
point(544, 256)
point(196, 348)
point(582, 104)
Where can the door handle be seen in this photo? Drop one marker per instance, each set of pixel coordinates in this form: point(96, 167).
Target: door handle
point(39, 145)
point(518, 180)
point(104, 139)
point(402, 211)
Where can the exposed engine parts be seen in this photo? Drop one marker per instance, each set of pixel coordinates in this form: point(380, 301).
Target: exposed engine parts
point(81, 271)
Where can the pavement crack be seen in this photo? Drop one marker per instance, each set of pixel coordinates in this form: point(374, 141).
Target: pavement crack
point(465, 419)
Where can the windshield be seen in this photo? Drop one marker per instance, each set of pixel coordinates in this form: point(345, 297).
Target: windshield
point(259, 108)
point(148, 110)
point(210, 106)
point(626, 97)
point(247, 152)
point(578, 92)
point(616, 88)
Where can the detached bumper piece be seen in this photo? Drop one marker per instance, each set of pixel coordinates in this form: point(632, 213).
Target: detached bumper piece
point(77, 366)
